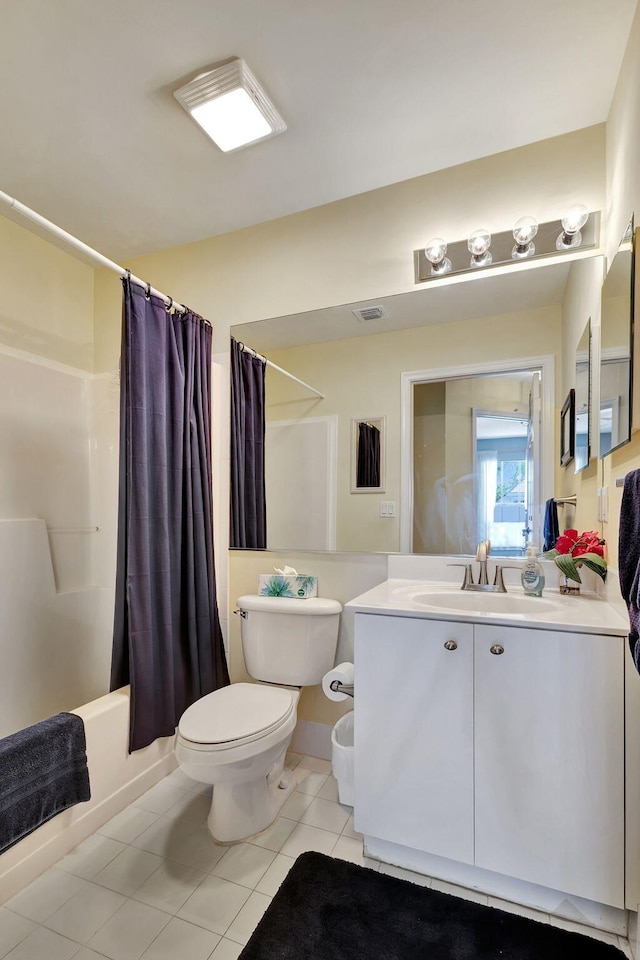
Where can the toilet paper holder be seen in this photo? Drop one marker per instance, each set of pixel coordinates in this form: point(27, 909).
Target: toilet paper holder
point(338, 687)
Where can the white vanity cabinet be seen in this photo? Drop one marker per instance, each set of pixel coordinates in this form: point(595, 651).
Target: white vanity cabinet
point(505, 751)
point(414, 733)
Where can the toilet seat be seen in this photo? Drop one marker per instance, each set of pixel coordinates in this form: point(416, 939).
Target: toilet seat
point(236, 715)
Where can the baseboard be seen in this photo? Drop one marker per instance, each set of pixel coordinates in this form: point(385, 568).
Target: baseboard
point(312, 739)
point(568, 906)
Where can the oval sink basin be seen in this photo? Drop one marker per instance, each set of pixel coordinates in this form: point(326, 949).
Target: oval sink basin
point(485, 602)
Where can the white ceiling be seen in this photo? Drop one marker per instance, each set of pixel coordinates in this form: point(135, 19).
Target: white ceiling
point(373, 92)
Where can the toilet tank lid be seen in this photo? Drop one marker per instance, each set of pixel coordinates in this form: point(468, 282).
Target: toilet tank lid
point(312, 606)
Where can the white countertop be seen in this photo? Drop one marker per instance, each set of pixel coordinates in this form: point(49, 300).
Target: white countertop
point(439, 600)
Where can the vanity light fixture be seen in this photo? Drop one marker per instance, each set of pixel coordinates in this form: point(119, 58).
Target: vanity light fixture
point(478, 244)
point(524, 231)
point(230, 106)
point(435, 252)
point(441, 259)
point(572, 223)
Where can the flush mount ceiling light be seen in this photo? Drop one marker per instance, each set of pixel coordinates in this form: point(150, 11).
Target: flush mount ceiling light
point(231, 106)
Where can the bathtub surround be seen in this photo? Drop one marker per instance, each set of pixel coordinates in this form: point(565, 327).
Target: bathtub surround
point(43, 771)
point(117, 779)
point(327, 908)
point(167, 641)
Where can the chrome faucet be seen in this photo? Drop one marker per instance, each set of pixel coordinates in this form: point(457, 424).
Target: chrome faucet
point(482, 554)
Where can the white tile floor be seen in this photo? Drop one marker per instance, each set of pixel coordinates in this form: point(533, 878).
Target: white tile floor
point(152, 885)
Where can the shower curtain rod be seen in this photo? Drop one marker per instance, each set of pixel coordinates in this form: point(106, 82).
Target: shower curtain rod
point(274, 366)
point(84, 248)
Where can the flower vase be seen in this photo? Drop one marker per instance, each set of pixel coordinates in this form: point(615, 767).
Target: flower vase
point(568, 586)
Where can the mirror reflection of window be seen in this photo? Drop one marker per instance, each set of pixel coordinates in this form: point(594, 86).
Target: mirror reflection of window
point(501, 469)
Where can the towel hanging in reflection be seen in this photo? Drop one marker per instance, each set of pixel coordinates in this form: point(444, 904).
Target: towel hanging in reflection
point(551, 527)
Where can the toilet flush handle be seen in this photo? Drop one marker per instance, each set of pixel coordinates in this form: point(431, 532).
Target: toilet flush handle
point(241, 613)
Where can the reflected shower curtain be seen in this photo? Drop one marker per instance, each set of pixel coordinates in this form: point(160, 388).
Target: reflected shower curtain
point(368, 465)
point(248, 520)
point(167, 641)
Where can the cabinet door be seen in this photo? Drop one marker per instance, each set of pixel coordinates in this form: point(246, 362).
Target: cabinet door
point(414, 733)
point(549, 766)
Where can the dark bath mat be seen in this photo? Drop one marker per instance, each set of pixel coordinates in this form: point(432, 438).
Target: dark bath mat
point(329, 909)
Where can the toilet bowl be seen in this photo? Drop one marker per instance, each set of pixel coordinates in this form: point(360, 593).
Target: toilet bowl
point(236, 738)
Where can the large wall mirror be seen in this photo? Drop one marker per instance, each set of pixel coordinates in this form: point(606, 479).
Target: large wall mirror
point(477, 446)
point(616, 337)
point(583, 401)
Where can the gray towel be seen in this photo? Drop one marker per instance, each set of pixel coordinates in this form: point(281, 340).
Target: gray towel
point(43, 770)
point(629, 558)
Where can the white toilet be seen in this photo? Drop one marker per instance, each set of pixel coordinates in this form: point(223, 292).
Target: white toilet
point(237, 737)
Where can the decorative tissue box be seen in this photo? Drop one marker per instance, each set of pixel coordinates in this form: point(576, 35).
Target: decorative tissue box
point(278, 585)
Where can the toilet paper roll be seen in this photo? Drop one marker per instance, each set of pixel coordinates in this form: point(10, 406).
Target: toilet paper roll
point(344, 673)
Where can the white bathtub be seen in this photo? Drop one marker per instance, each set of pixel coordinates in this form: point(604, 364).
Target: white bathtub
point(116, 778)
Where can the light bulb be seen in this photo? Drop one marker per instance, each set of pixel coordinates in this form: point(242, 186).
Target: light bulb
point(525, 230)
point(478, 245)
point(572, 222)
point(435, 252)
point(479, 242)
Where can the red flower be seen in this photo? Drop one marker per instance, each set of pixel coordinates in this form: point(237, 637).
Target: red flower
point(567, 541)
point(577, 544)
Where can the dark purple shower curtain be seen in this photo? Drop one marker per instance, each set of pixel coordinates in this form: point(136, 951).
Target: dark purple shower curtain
point(248, 520)
point(368, 464)
point(167, 641)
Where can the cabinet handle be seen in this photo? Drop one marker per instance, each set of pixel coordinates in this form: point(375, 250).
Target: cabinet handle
point(497, 649)
point(451, 645)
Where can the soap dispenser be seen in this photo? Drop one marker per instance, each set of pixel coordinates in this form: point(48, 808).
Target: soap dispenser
point(533, 575)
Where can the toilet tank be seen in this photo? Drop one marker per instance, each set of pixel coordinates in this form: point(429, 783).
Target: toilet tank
point(289, 641)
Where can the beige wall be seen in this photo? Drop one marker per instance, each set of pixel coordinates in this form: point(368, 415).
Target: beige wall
point(361, 247)
point(429, 451)
point(623, 199)
point(581, 303)
point(46, 307)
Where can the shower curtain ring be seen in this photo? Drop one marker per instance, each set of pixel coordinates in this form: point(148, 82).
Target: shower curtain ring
point(147, 292)
point(169, 306)
point(128, 275)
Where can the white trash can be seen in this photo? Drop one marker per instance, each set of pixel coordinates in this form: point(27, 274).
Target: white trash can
point(342, 757)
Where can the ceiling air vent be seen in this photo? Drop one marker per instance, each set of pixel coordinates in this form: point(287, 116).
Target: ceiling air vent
point(370, 313)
